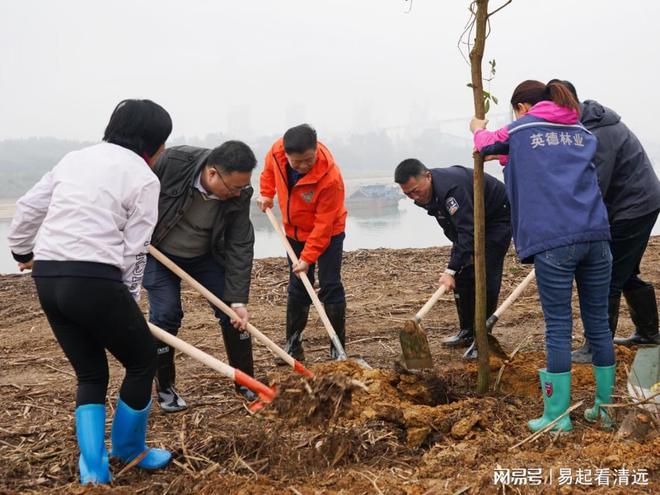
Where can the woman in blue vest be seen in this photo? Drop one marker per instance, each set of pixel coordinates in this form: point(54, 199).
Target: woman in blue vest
point(559, 223)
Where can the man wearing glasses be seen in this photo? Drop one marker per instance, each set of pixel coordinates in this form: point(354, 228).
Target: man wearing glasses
point(204, 227)
point(447, 195)
point(310, 190)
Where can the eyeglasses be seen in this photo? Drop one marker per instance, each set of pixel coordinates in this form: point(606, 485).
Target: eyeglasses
point(232, 189)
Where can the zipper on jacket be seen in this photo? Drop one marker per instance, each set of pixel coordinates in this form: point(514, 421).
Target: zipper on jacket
point(288, 198)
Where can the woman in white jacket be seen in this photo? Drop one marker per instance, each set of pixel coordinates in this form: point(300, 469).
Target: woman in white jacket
point(84, 229)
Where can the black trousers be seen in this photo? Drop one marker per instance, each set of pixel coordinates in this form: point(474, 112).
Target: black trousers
point(90, 315)
point(498, 240)
point(329, 264)
point(629, 241)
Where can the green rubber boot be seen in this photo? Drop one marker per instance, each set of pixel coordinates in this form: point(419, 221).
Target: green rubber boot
point(556, 399)
point(605, 376)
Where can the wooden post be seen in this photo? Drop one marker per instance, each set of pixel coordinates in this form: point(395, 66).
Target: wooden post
point(476, 57)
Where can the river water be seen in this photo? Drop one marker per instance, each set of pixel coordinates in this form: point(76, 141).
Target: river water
point(368, 227)
point(398, 226)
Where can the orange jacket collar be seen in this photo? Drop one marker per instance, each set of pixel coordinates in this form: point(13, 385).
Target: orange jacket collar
point(324, 162)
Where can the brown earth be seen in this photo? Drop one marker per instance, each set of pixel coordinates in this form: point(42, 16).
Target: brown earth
point(349, 431)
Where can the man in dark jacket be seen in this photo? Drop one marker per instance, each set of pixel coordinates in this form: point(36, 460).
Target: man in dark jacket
point(631, 192)
point(204, 227)
point(447, 194)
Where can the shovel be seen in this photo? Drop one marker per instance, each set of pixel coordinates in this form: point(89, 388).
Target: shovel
point(493, 343)
point(341, 353)
point(413, 340)
point(265, 393)
point(492, 320)
point(217, 302)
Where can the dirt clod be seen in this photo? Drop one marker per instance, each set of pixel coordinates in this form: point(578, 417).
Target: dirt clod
point(400, 433)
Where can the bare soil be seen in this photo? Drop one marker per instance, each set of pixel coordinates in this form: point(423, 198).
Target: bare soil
point(349, 431)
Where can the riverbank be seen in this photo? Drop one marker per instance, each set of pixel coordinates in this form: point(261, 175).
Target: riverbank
point(7, 208)
point(405, 434)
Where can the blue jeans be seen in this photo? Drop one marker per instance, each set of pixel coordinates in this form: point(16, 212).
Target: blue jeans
point(590, 264)
point(164, 293)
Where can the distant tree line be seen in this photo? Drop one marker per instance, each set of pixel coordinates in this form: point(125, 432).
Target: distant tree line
point(24, 161)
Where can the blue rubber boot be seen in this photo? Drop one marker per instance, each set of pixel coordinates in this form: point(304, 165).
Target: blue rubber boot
point(90, 431)
point(605, 376)
point(129, 432)
point(556, 399)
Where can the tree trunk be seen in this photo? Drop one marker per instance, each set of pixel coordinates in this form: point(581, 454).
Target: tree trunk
point(476, 56)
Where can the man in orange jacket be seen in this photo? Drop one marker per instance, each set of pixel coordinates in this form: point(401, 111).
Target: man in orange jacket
point(310, 190)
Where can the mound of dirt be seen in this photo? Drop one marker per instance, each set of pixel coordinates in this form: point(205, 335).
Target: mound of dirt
point(348, 431)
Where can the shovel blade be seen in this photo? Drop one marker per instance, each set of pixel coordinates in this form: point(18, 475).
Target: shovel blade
point(496, 348)
point(360, 361)
point(415, 346)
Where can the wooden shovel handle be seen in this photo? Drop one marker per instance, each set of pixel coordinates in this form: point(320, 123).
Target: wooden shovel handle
point(430, 303)
point(310, 289)
point(265, 393)
point(222, 306)
point(514, 295)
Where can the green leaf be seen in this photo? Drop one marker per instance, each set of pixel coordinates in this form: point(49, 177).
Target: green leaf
point(495, 99)
point(470, 85)
point(492, 67)
point(486, 94)
point(487, 106)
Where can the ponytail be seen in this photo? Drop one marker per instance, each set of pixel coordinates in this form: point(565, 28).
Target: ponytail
point(532, 92)
point(562, 96)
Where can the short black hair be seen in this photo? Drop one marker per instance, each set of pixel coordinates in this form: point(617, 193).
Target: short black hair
point(299, 139)
point(232, 156)
point(407, 169)
point(141, 126)
point(568, 84)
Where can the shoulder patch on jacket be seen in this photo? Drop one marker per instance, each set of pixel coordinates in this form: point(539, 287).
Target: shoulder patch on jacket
point(452, 205)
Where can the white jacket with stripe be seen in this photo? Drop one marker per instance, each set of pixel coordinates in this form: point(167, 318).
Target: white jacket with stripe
point(98, 204)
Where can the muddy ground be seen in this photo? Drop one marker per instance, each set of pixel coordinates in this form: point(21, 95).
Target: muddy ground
point(392, 433)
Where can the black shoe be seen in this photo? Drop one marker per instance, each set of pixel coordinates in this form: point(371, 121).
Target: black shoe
point(293, 348)
point(582, 355)
point(491, 305)
point(463, 338)
point(337, 316)
point(644, 314)
point(471, 354)
point(637, 339)
point(246, 393)
point(464, 299)
point(169, 399)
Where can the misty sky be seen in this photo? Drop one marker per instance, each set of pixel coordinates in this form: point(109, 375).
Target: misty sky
point(247, 67)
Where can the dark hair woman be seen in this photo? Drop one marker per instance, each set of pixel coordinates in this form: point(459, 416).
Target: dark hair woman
point(84, 229)
point(560, 222)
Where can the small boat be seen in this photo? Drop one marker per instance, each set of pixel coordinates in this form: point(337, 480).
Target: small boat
point(375, 196)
